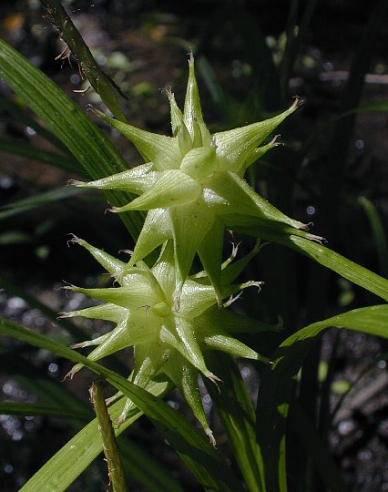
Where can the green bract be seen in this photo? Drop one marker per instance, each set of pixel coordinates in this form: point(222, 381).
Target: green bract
point(193, 187)
point(168, 341)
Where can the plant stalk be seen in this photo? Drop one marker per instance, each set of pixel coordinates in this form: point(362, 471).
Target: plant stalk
point(102, 84)
point(111, 451)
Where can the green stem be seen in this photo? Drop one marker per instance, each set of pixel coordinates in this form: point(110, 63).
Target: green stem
point(111, 451)
point(102, 84)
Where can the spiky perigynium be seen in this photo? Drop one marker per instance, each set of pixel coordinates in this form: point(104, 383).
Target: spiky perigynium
point(193, 188)
point(168, 341)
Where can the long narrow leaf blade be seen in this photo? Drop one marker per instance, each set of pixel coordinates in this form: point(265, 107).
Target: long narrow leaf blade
point(139, 465)
point(211, 471)
point(18, 113)
point(45, 198)
point(346, 268)
point(237, 414)
point(30, 152)
point(278, 381)
point(44, 410)
point(328, 258)
point(379, 234)
point(90, 147)
point(71, 460)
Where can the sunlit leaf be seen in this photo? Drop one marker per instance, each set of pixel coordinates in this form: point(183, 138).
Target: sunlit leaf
point(87, 143)
point(201, 457)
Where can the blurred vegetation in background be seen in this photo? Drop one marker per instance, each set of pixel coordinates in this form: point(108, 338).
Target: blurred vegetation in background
point(252, 57)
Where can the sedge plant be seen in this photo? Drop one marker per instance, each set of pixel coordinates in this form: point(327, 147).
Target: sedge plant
point(173, 300)
point(193, 188)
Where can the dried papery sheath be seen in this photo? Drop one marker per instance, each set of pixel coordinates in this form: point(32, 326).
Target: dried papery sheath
point(168, 342)
point(193, 186)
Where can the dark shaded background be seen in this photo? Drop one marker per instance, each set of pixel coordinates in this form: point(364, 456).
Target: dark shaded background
point(153, 39)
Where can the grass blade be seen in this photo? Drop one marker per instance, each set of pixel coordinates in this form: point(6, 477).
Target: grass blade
point(56, 401)
point(378, 233)
point(28, 409)
point(209, 468)
point(57, 474)
point(278, 382)
point(138, 463)
point(89, 146)
point(328, 258)
point(237, 414)
point(348, 269)
point(45, 198)
point(302, 243)
point(16, 111)
point(316, 448)
point(23, 149)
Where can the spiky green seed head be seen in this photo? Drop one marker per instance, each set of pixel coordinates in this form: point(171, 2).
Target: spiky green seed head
point(169, 341)
point(192, 184)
